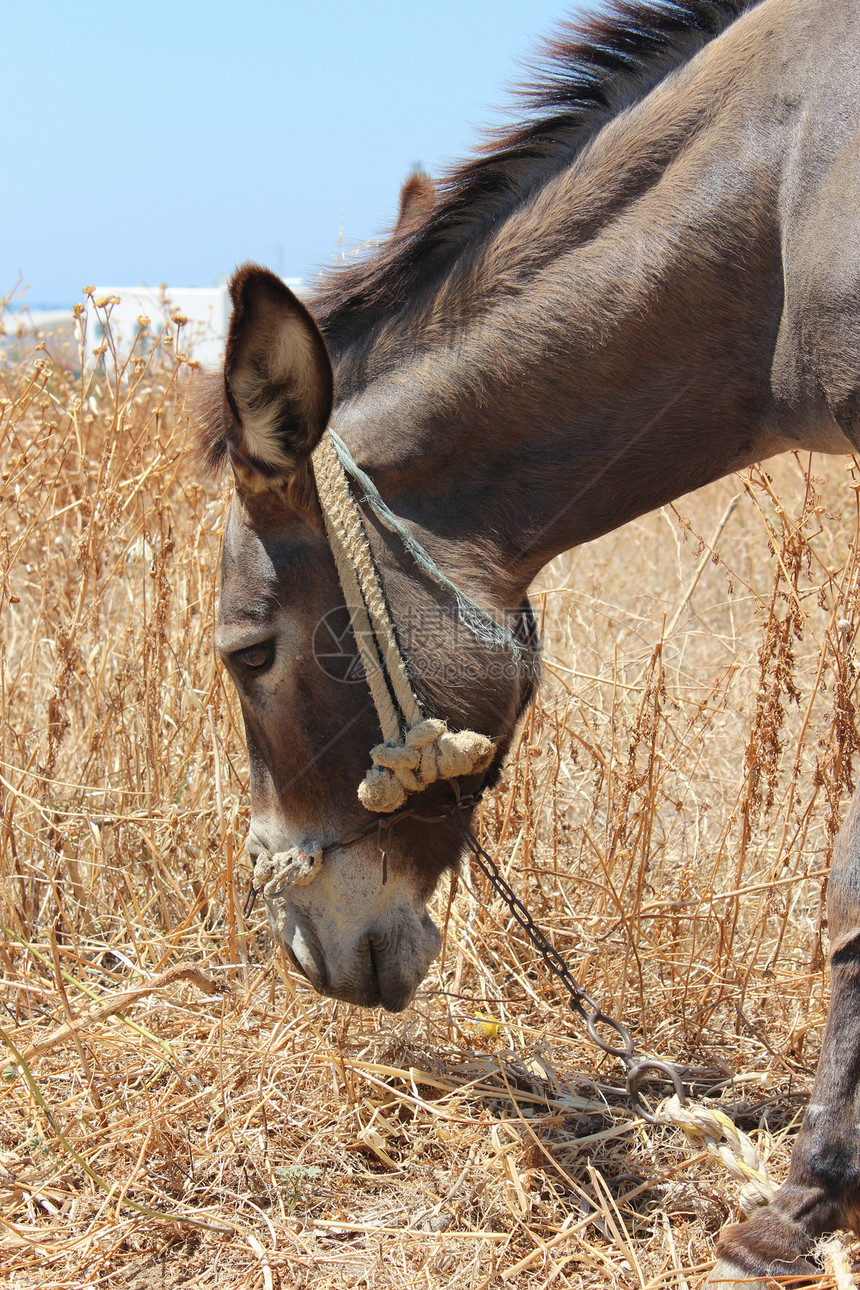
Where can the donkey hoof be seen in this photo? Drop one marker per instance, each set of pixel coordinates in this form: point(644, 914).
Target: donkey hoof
point(728, 1276)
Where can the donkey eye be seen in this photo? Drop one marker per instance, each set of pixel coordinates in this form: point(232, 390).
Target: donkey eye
point(256, 658)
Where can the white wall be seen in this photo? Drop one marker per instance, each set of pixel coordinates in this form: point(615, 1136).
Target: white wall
point(206, 308)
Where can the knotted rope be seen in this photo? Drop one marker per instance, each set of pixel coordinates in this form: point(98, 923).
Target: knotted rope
point(273, 874)
point(725, 1143)
point(416, 751)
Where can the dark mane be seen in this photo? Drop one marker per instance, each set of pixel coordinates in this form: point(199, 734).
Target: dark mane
point(589, 73)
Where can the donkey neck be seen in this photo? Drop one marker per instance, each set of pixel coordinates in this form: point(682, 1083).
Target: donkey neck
point(608, 349)
point(600, 391)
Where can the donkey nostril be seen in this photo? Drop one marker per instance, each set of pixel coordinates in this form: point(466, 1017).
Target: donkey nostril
point(288, 950)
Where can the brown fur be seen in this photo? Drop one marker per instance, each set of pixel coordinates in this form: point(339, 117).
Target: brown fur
point(652, 283)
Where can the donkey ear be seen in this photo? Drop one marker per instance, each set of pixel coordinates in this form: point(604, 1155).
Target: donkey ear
point(417, 199)
point(277, 373)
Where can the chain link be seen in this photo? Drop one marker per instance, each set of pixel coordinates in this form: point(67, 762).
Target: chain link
point(637, 1067)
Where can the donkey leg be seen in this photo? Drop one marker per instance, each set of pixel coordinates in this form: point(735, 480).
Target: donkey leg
point(822, 1191)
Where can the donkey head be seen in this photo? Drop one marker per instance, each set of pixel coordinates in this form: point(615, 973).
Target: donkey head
point(359, 929)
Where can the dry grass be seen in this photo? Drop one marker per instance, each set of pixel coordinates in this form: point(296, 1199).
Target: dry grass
point(180, 1109)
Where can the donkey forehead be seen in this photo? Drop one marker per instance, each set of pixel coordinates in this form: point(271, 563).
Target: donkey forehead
point(265, 568)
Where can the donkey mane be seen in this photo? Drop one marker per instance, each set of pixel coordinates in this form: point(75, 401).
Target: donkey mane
point(590, 72)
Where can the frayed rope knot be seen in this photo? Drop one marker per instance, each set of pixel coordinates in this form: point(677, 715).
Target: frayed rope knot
point(429, 752)
point(293, 868)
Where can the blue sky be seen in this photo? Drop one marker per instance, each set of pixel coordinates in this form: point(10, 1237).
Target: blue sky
point(168, 142)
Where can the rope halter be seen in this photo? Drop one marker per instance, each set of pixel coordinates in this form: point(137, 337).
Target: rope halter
point(416, 750)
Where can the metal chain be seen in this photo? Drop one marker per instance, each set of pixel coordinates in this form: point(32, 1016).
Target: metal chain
point(637, 1068)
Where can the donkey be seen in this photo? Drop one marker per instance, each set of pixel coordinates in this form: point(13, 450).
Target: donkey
point(652, 282)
